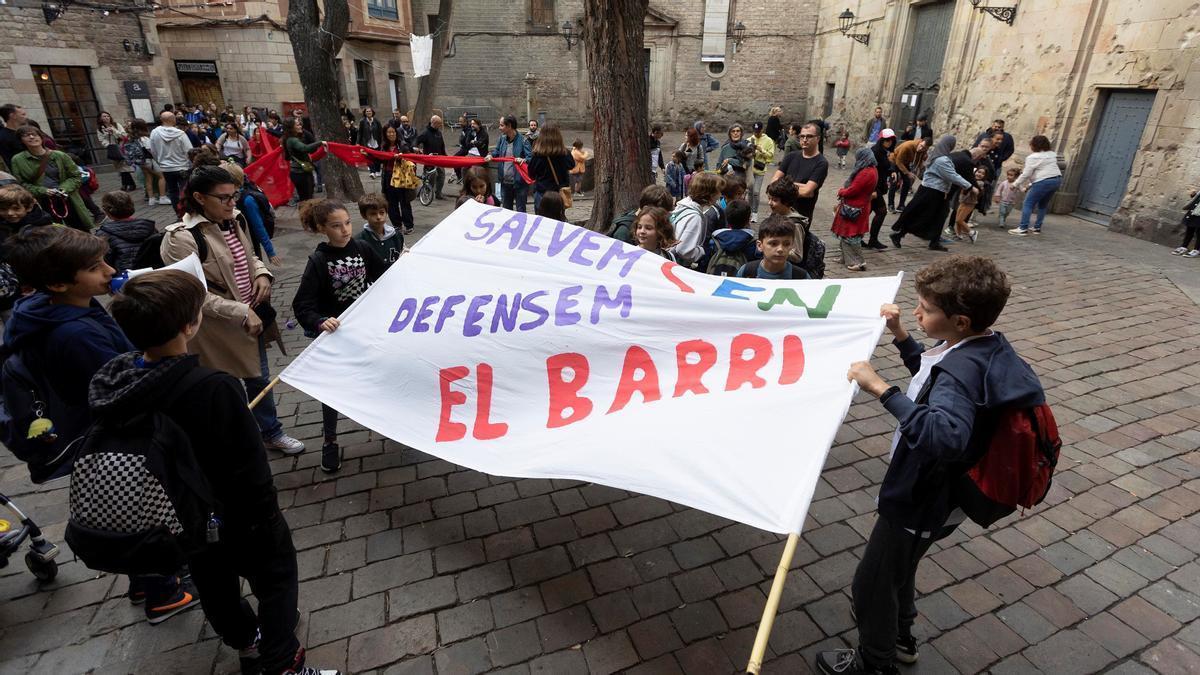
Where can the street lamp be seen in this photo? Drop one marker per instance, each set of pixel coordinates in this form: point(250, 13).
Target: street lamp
point(846, 22)
point(568, 30)
point(1005, 14)
point(738, 33)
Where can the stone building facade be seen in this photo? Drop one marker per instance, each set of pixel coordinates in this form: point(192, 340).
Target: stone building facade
point(510, 56)
point(65, 72)
point(1114, 85)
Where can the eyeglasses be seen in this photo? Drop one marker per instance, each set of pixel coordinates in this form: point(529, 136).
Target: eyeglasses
point(803, 136)
point(224, 199)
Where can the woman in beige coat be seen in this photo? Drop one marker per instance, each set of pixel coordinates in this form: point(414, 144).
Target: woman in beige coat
point(232, 337)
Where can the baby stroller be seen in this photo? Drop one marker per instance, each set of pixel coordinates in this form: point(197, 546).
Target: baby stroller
point(41, 555)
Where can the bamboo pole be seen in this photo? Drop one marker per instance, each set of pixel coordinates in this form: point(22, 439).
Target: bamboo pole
point(262, 394)
point(768, 617)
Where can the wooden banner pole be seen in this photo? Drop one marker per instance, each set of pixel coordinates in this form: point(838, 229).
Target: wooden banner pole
point(768, 617)
point(262, 394)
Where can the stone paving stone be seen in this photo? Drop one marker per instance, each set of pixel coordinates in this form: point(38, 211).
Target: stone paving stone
point(958, 563)
point(742, 608)
point(421, 597)
point(514, 644)
point(540, 565)
point(655, 597)
point(663, 665)
point(1055, 607)
point(484, 580)
point(563, 629)
point(567, 661)
point(1013, 665)
point(696, 552)
point(643, 536)
point(611, 575)
point(1066, 558)
point(345, 620)
point(391, 643)
point(464, 621)
point(1116, 637)
point(698, 584)
point(698, 620)
point(654, 637)
point(1169, 656)
point(704, 657)
point(465, 658)
point(1180, 604)
point(1068, 652)
point(655, 564)
point(964, 650)
point(613, 611)
point(941, 611)
point(831, 613)
point(517, 606)
point(973, 597)
point(567, 590)
point(1116, 577)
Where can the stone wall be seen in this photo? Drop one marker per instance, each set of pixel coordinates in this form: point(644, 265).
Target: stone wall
point(1049, 73)
point(488, 71)
point(80, 37)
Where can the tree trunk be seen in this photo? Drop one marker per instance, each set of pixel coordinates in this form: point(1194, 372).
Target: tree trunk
point(315, 43)
point(616, 62)
point(428, 84)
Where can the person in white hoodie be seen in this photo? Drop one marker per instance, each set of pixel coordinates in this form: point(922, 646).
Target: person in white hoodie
point(169, 144)
point(688, 217)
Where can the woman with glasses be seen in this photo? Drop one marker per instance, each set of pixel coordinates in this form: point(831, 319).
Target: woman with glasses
point(736, 155)
point(53, 178)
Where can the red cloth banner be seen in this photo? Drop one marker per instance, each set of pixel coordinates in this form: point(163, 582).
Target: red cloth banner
point(270, 171)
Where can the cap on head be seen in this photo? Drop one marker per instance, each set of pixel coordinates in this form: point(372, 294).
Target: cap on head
point(887, 133)
point(757, 126)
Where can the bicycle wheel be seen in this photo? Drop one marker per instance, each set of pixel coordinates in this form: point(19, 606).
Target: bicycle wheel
point(425, 193)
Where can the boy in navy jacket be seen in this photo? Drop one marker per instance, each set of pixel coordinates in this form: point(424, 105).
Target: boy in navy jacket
point(945, 422)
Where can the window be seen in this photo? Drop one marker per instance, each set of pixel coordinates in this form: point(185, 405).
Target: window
point(541, 13)
point(716, 28)
point(827, 107)
point(432, 22)
point(362, 77)
point(716, 68)
point(383, 9)
point(71, 108)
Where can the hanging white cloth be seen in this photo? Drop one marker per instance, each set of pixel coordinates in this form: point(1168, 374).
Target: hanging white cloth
point(422, 54)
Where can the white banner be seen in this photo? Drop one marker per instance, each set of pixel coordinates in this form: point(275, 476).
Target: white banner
point(522, 346)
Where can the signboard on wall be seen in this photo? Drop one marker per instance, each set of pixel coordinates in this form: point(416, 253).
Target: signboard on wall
point(196, 67)
point(138, 93)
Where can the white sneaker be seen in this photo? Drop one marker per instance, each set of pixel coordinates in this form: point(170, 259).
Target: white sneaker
point(974, 235)
point(151, 201)
point(1018, 231)
point(754, 218)
point(1179, 251)
point(285, 444)
point(164, 201)
point(1194, 253)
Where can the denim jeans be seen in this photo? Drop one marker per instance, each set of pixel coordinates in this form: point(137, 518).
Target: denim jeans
point(1039, 196)
point(755, 192)
point(514, 196)
point(264, 412)
point(1004, 209)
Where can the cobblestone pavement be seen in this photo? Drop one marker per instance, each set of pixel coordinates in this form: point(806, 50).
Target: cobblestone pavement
point(410, 564)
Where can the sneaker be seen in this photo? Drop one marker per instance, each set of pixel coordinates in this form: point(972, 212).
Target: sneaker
point(331, 457)
point(1037, 231)
point(307, 670)
point(185, 597)
point(1179, 251)
point(164, 201)
point(1018, 231)
point(754, 218)
point(906, 649)
point(846, 662)
point(974, 235)
point(151, 201)
point(1194, 253)
point(892, 209)
point(285, 444)
point(248, 657)
point(895, 239)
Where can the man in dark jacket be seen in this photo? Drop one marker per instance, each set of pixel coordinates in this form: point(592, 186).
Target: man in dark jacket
point(944, 425)
point(1005, 150)
point(430, 142)
point(875, 126)
point(882, 150)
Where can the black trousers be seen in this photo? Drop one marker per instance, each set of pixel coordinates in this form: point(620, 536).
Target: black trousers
point(303, 180)
point(1190, 232)
point(879, 209)
point(399, 201)
point(904, 184)
point(329, 420)
point(264, 556)
point(175, 181)
point(884, 588)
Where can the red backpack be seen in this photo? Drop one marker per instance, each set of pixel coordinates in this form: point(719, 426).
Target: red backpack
point(1017, 468)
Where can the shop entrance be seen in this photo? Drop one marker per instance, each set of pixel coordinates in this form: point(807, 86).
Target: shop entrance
point(200, 83)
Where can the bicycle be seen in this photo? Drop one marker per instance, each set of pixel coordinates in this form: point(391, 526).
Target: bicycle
point(425, 190)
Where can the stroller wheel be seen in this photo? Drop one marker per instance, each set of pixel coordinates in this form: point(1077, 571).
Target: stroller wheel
point(44, 570)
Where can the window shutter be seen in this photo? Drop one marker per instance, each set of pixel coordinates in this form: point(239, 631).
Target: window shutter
point(716, 26)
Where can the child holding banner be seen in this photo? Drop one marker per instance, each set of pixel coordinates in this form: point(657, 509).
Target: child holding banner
point(337, 273)
point(945, 422)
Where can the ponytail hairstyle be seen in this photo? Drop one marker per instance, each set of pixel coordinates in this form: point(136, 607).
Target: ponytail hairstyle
point(314, 212)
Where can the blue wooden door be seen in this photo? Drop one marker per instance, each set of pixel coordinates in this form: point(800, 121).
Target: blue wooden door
point(1106, 176)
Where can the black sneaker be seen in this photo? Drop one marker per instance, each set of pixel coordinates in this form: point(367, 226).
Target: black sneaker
point(331, 457)
point(185, 598)
point(896, 239)
point(906, 649)
point(846, 662)
point(877, 245)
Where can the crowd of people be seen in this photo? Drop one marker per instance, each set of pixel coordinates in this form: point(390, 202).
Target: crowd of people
point(165, 328)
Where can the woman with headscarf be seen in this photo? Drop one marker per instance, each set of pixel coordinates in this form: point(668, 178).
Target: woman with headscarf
point(852, 218)
point(927, 211)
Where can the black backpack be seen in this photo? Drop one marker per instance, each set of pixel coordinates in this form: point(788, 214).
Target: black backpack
point(35, 424)
point(149, 254)
point(139, 503)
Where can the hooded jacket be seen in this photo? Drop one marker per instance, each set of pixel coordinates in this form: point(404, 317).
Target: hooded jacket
point(333, 279)
point(688, 219)
point(70, 342)
point(170, 146)
point(947, 429)
point(125, 237)
point(225, 438)
point(388, 247)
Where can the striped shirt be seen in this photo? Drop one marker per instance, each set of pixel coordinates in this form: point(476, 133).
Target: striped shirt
point(241, 268)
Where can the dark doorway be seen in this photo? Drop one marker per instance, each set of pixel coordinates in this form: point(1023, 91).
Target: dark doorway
point(71, 108)
point(923, 72)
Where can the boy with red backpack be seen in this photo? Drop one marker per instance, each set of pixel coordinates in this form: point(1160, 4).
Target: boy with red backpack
point(966, 395)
